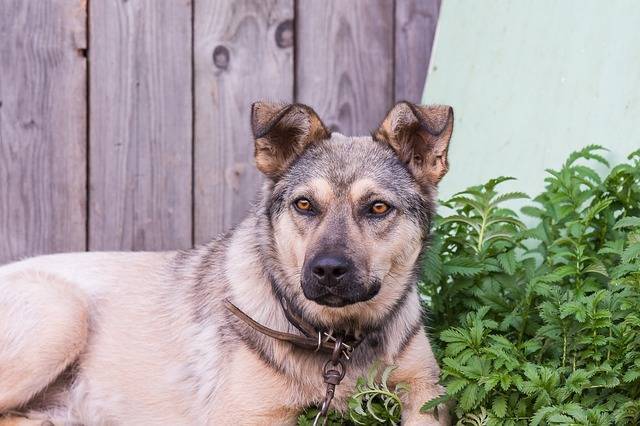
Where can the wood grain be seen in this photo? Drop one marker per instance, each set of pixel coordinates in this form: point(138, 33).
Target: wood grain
point(170, 155)
point(344, 61)
point(243, 52)
point(140, 125)
point(42, 127)
point(414, 32)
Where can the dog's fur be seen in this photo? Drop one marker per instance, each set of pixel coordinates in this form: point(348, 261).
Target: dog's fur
point(143, 338)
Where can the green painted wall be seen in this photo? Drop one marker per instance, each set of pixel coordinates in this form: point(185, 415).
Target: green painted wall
point(532, 81)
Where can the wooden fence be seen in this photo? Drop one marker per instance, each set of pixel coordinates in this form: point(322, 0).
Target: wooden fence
point(124, 123)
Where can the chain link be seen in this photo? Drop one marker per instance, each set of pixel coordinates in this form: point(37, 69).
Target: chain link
point(333, 372)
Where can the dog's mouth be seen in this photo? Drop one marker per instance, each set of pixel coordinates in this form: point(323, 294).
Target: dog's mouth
point(340, 297)
point(332, 300)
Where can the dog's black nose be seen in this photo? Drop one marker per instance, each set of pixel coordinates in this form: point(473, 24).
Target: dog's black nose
point(329, 269)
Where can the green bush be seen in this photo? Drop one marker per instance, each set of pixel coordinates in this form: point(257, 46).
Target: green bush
point(536, 325)
point(541, 325)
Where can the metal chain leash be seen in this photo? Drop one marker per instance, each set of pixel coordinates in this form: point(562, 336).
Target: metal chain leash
point(333, 372)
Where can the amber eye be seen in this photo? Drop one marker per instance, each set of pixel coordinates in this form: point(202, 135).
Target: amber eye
point(379, 207)
point(303, 205)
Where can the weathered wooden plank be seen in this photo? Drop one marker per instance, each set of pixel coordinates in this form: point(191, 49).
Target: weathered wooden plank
point(243, 52)
point(415, 28)
point(140, 125)
point(42, 127)
point(344, 61)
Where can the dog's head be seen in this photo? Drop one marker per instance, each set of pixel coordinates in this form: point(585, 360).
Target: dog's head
point(349, 215)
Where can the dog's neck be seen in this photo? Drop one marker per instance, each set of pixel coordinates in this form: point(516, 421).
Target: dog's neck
point(311, 339)
point(249, 281)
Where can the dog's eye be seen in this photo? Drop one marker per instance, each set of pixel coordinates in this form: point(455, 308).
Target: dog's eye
point(379, 208)
point(303, 205)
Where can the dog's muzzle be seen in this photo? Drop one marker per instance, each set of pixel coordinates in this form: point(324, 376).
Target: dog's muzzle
point(332, 280)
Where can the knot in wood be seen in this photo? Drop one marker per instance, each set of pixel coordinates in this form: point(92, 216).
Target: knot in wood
point(221, 57)
point(284, 34)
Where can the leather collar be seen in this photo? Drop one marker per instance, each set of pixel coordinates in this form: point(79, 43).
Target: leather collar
point(311, 339)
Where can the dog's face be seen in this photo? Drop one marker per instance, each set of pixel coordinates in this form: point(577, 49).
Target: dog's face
point(349, 215)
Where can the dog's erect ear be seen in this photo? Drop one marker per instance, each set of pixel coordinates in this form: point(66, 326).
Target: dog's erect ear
point(420, 135)
point(281, 133)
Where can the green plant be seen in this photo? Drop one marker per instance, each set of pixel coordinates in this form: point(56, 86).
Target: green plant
point(541, 325)
point(376, 403)
point(373, 402)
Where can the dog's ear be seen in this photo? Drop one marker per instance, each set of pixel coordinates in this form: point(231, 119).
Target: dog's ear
point(420, 135)
point(281, 133)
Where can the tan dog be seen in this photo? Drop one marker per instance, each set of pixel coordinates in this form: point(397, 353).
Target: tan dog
point(145, 339)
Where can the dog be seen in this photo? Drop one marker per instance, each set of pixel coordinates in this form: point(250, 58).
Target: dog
point(226, 333)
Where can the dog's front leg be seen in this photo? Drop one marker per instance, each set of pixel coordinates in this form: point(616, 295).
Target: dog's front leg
point(10, 420)
point(419, 369)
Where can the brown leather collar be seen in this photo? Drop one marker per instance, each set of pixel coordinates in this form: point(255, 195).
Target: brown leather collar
point(312, 339)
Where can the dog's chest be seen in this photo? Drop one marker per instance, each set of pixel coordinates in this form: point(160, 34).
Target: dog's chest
point(248, 384)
